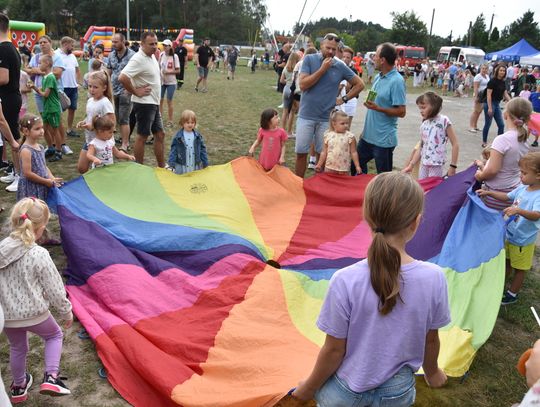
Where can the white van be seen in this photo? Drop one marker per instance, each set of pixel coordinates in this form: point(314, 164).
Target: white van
point(459, 54)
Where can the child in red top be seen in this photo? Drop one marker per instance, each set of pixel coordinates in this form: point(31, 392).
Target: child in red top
point(272, 138)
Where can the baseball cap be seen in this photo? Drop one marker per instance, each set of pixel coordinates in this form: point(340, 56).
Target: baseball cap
point(167, 42)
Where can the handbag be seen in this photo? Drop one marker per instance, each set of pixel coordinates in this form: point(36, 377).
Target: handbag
point(65, 101)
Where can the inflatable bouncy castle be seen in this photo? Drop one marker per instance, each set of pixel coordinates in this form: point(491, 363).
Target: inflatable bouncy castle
point(24, 32)
point(99, 35)
point(186, 34)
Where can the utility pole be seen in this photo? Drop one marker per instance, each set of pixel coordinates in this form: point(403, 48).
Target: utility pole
point(430, 32)
point(470, 34)
point(491, 23)
point(127, 20)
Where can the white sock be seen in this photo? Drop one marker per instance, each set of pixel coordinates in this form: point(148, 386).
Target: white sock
point(511, 293)
point(312, 159)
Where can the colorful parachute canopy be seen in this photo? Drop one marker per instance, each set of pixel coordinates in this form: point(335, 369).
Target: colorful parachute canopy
point(169, 274)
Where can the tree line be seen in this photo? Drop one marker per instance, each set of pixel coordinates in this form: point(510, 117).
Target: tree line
point(408, 29)
point(226, 20)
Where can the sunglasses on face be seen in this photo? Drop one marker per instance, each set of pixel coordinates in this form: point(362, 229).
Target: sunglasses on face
point(332, 37)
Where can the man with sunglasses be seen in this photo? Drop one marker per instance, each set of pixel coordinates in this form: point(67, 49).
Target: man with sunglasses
point(379, 137)
point(320, 77)
point(142, 78)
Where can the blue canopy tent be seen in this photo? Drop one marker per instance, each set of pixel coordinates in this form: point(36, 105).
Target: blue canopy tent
point(513, 53)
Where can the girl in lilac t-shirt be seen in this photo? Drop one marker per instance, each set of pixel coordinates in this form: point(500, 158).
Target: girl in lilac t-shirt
point(381, 315)
point(272, 138)
point(501, 172)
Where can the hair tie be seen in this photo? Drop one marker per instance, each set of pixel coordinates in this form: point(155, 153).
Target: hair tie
point(24, 216)
point(379, 230)
point(518, 122)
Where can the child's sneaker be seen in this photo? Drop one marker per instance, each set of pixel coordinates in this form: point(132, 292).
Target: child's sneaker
point(53, 386)
point(20, 394)
point(509, 299)
point(534, 144)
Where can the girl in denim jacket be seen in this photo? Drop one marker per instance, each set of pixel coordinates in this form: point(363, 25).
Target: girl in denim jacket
point(188, 151)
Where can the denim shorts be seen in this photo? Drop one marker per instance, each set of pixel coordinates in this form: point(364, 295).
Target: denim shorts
point(307, 132)
point(203, 71)
point(122, 108)
point(73, 95)
point(398, 391)
point(148, 119)
point(169, 89)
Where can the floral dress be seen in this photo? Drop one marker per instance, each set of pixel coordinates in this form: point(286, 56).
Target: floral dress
point(27, 188)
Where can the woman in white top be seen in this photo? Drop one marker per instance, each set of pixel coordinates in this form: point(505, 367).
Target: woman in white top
point(169, 65)
point(479, 84)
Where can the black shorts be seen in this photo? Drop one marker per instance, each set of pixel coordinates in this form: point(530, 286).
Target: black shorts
point(148, 119)
point(11, 106)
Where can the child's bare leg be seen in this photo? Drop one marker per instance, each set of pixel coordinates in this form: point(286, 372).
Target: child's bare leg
point(58, 139)
point(517, 282)
point(49, 135)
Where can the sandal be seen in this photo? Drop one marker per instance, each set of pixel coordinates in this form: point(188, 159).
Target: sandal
point(83, 334)
point(149, 141)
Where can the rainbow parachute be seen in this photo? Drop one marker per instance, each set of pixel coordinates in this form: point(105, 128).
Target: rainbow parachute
point(171, 275)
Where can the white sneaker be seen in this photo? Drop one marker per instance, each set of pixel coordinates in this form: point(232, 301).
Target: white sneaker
point(8, 179)
point(473, 130)
point(14, 185)
point(280, 106)
point(311, 165)
point(66, 150)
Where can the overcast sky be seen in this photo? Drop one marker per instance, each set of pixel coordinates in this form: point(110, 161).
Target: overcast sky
point(449, 14)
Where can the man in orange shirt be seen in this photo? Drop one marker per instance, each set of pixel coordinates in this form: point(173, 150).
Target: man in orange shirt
point(357, 60)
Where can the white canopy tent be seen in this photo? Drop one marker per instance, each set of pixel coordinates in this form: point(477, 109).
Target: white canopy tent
point(530, 60)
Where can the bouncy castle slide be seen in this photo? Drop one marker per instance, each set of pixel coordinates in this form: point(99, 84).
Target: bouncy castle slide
point(186, 34)
point(100, 35)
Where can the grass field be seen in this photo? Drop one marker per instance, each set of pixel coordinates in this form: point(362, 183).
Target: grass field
point(228, 117)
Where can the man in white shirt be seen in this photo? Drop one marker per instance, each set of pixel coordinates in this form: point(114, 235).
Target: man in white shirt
point(71, 77)
point(510, 71)
point(142, 78)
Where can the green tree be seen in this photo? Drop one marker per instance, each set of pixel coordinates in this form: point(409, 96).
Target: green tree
point(478, 35)
point(408, 29)
point(494, 37)
point(525, 27)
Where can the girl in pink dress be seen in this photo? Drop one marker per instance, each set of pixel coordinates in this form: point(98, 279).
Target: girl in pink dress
point(272, 138)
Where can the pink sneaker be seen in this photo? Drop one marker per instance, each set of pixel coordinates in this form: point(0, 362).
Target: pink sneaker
point(53, 386)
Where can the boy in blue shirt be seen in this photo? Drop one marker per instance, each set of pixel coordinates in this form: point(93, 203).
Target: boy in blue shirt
point(523, 224)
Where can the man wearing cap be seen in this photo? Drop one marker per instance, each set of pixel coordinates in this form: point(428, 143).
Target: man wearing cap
point(202, 57)
point(118, 59)
point(182, 54)
point(320, 77)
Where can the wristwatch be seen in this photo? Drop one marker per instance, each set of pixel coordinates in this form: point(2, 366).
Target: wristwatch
point(345, 98)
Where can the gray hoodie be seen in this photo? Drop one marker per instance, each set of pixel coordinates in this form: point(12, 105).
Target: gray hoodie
point(29, 284)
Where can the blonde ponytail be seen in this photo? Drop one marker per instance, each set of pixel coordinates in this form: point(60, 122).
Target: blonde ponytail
point(28, 215)
point(520, 111)
point(392, 202)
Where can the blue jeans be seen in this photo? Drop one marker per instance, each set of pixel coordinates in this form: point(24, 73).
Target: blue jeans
point(398, 391)
point(497, 115)
point(384, 156)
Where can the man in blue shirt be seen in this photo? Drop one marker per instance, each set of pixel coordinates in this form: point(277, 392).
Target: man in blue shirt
point(320, 77)
point(379, 137)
